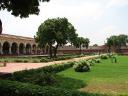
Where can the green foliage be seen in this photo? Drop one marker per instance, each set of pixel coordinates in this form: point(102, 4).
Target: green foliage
point(97, 60)
point(25, 61)
point(81, 66)
point(18, 60)
point(104, 57)
point(22, 8)
point(91, 62)
point(35, 75)
point(44, 60)
point(41, 78)
point(13, 88)
point(57, 31)
point(117, 42)
point(35, 61)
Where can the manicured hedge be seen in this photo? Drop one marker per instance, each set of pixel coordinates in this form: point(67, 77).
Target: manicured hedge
point(27, 75)
point(14, 88)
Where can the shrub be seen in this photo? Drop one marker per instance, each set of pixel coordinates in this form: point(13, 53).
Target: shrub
point(97, 60)
point(18, 60)
point(13, 88)
point(91, 62)
point(81, 66)
point(27, 75)
point(104, 57)
point(35, 61)
point(41, 78)
point(25, 61)
point(44, 60)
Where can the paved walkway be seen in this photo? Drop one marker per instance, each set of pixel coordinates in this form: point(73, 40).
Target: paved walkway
point(13, 67)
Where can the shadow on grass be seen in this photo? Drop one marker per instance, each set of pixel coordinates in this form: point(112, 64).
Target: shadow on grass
point(74, 85)
point(68, 83)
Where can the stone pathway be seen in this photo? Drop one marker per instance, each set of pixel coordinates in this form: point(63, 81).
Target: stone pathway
point(13, 67)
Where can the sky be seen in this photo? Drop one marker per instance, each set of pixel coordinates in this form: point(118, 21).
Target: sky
point(93, 19)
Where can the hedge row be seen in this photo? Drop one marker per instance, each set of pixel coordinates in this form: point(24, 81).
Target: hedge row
point(13, 88)
point(19, 76)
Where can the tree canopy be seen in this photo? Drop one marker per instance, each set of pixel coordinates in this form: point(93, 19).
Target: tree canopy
point(81, 42)
point(55, 32)
point(22, 8)
point(117, 42)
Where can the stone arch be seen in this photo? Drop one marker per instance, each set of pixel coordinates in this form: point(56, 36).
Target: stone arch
point(6, 47)
point(28, 48)
point(21, 48)
point(14, 48)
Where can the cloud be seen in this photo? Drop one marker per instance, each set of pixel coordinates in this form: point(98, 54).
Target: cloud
point(117, 3)
point(82, 10)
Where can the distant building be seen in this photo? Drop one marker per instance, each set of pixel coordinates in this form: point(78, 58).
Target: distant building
point(19, 45)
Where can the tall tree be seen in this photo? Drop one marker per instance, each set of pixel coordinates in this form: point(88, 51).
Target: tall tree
point(81, 42)
point(86, 43)
point(55, 32)
point(22, 8)
point(117, 42)
point(0, 27)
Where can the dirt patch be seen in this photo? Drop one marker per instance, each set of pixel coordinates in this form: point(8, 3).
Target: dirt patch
point(106, 88)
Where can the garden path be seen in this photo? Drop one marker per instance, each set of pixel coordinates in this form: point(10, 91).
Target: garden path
point(13, 67)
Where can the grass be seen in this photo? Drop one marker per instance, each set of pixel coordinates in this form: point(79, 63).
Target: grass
point(105, 77)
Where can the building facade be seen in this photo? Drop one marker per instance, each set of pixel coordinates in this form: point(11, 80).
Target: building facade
point(18, 45)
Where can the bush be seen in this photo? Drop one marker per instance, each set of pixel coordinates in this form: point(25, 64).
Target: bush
point(41, 78)
point(91, 62)
point(27, 75)
point(104, 57)
point(35, 61)
point(18, 60)
point(97, 60)
point(81, 66)
point(25, 61)
point(44, 60)
point(13, 88)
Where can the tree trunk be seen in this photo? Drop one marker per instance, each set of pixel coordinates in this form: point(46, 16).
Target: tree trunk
point(80, 49)
point(109, 49)
point(55, 50)
point(0, 27)
point(50, 51)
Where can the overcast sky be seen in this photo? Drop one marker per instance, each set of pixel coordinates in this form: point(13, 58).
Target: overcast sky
point(95, 19)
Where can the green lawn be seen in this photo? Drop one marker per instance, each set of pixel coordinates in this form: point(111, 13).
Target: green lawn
point(105, 77)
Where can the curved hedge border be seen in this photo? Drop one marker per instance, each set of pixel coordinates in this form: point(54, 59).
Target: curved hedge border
point(47, 69)
point(13, 88)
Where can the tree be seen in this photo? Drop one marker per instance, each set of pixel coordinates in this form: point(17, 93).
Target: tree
point(95, 45)
point(86, 43)
point(22, 8)
point(0, 27)
point(55, 32)
point(81, 42)
point(117, 42)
